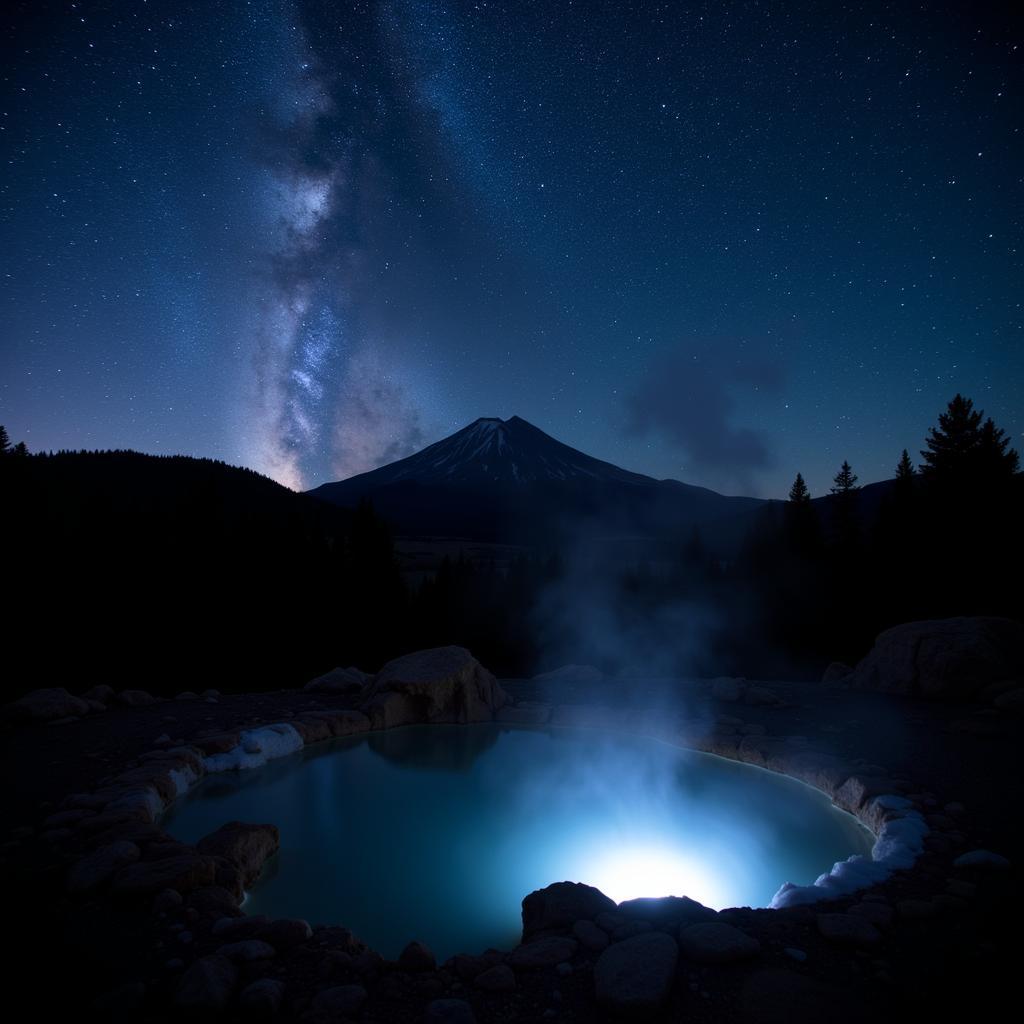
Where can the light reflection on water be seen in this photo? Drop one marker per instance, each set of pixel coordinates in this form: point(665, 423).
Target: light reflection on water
point(438, 832)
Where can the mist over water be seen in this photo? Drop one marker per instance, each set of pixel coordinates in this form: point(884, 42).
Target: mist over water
point(438, 832)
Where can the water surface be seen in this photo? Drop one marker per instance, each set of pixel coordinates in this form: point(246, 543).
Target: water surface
point(438, 832)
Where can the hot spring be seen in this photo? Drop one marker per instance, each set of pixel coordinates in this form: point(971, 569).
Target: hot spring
point(437, 832)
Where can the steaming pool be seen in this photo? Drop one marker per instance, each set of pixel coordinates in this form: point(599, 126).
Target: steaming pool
point(437, 832)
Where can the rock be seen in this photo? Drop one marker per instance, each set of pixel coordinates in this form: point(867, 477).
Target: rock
point(416, 957)
point(449, 1011)
point(340, 680)
point(96, 707)
point(571, 674)
point(181, 873)
point(208, 694)
point(340, 1001)
point(286, 932)
point(878, 914)
point(715, 942)
point(795, 954)
point(136, 698)
point(542, 953)
point(247, 847)
point(217, 743)
point(207, 984)
point(985, 859)
point(236, 928)
point(629, 929)
point(262, 998)
point(102, 693)
point(444, 684)
point(635, 976)
point(836, 672)
point(469, 967)
point(46, 705)
point(945, 658)
point(848, 929)
point(167, 899)
point(664, 909)
point(590, 936)
point(728, 689)
point(247, 950)
point(100, 865)
point(496, 979)
point(561, 905)
point(187, 695)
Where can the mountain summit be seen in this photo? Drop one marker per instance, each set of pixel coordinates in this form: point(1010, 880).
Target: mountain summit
point(507, 480)
point(495, 451)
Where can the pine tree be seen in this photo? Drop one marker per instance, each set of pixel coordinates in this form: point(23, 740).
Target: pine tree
point(798, 493)
point(966, 447)
point(951, 445)
point(19, 449)
point(905, 472)
point(5, 441)
point(845, 481)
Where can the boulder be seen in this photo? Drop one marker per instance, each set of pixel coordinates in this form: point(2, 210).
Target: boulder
point(1011, 700)
point(561, 905)
point(836, 672)
point(542, 953)
point(136, 698)
point(943, 658)
point(247, 951)
point(100, 865)
point(262, 998)
point(247, 847)
point(340, 680)
point(183, 873)
point(635, 976)
point(47, 705)
point(416, 957)
point(207, 984)
point(590, 936)
point(103, 693)
point(444, 684)
point(661, 910)
point(715, 942)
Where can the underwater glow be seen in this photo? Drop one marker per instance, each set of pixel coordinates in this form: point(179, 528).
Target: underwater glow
point(650, 869)
point(437, 833)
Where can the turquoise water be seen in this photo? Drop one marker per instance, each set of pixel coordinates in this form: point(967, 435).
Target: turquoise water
point(438, 832)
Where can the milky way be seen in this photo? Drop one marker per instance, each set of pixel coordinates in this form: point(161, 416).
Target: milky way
point(719, 242)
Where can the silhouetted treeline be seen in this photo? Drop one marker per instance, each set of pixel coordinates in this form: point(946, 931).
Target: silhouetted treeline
point(172, 573)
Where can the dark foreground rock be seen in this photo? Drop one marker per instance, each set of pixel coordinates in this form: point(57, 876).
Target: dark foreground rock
point(561, 905)
point(636, 976)
point(944, 658)
point(247, 847)
point(444, 684)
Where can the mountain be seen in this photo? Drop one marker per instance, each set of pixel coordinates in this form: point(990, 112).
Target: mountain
point(507, 480)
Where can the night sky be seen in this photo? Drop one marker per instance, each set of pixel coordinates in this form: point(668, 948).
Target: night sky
point(720, 242)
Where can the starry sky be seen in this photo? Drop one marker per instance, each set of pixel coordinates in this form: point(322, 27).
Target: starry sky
point(720, 242)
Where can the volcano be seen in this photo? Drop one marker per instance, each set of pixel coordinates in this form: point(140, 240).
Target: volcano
point(509, 481)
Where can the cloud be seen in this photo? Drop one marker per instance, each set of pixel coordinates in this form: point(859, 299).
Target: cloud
point(693, 398)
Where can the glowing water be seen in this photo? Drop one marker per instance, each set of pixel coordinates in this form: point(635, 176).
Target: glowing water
point(438, 832)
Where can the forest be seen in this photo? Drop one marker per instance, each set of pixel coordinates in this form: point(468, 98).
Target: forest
point(175, 573)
